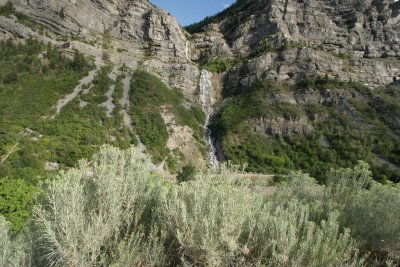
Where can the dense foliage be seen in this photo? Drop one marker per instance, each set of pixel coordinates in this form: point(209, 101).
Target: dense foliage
point(150, 96)
point(358, 128)
point(33, 77)
point(236, 7)
point(15, 201)
point(219, 65)
point(113, 212)
point(186, 174)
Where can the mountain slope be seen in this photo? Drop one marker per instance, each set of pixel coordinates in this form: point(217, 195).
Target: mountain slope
point(294, 85)
point(72, 67)
point(302, 83)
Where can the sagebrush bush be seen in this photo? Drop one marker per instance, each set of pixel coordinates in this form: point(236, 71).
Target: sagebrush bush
point(370, 210)
point(373, 216)
point(112, 211)
point(92, 209)
point(217, 221)
point(12, 250)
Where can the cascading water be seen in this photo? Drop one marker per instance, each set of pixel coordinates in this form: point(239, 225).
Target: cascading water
point(207, 100)
point(187, 50)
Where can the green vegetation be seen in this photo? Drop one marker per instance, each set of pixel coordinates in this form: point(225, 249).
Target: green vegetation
point(77, 132)
point(235, 8)
point(186, 174)
point(150, 96)
point(266, 45)
point(345, 55)
point(359, 131)
point(39, 85)
point(8, 9)
point(29, 138)
point(31, 81)
point(16, 197)
point(113, 211)
point(35, 76)
point(219, 65)
point(252, 104)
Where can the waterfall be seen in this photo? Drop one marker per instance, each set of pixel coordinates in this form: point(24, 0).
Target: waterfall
point(187, 50)
point(207, 100)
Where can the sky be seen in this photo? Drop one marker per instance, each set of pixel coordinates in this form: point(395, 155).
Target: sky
point(189, 11)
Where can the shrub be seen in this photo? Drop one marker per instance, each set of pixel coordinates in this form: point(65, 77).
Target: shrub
point(13, 250)
point(216, 221)
point(79, 62)
point(16, 198)
point(345, 55)
point(219, 65)
point(186, 174)
point(372, 217)
point(90, 220)
point(11, 77)
point(367, 208)
point(112, 211)
point(7, 9)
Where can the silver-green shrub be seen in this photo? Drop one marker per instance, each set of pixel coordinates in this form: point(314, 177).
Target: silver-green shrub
point(93, 210)
point(374, 217)
point(217, 221)
point(12, 250)
point(370, 210)
point(113, 211)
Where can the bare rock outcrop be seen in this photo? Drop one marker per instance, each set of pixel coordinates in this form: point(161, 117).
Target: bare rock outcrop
point(135, 33)
point(349, 39)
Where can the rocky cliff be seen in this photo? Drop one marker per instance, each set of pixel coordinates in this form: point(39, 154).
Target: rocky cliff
point(119, 33)
point(331, 57)
point(353, 40)
point(281, 39)
point(130, 32)
point(325, 62)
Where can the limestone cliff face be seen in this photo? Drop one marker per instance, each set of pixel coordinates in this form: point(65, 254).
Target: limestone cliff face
point(367, 26)
point(134, 33)
point(348, 39)
point(131, 32)
point(136, 20)
point(315, 34)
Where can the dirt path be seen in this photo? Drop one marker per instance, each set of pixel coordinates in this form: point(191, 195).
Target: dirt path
point(68, 98)
point(109, 105)
point(124, 101)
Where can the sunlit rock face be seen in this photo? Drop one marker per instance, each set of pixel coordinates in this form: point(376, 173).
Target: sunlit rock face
point(147, 35)
point(139, 21)
point(366, 26)
point(348, 39)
